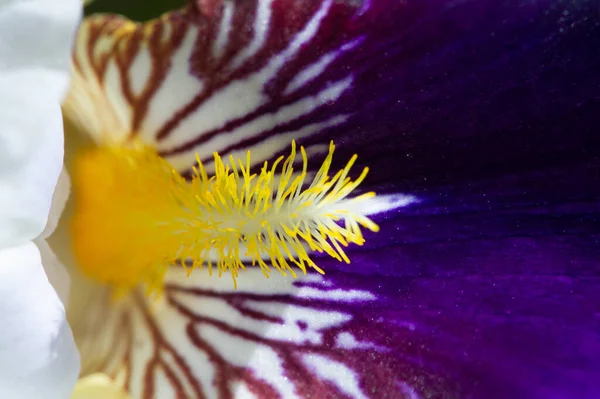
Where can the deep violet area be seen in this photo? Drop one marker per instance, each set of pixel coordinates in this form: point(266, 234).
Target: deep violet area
point(487, 112)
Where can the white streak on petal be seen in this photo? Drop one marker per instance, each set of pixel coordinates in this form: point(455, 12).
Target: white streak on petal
point(103, 45)
point(215, 114)
point(316, 279)
point(220, 44)
point(237, 99)
point(345, 340)
point(112, 83)
point(173, 326)
point(164, 389)
point(380, 203)
point(144, 348)
point(317, 149)
point(177, 90)
point(263, 361)
point(336, 373)
point(292, 315)
point(336, 295)
point(198, 362)
point(245, 96)
point(315, 69)
point(139, 72)
point(219, 310)
point(253, 281)
point(241, 391)
point(38, 357)
point(285, 114)
point(87, 104)
point(304, 36)
point(261, 25)
point(220, 318)
point(266, 148)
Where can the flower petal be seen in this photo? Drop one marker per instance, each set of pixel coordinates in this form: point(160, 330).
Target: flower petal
point(166, 81)
point(410, 86)
point(59, 201)
point(35, 41)
point(479, 318)
point(495, 292)
point(97, 386)
point(55, 271)
point(486, 288)
point(38, 357)
point(205, 340)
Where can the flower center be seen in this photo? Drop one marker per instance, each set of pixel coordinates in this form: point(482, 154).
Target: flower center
point(135, 215)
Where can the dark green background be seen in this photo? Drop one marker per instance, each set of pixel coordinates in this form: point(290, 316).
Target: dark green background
point(138, 10)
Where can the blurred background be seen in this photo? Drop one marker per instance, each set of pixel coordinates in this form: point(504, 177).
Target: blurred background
point(139, 10)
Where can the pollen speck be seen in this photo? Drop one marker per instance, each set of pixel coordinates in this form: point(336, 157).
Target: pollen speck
point(135, 215)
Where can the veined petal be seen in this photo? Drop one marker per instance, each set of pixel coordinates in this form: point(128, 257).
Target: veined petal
point(226, 79)
point(487, 288)
point(497, 289)
point(282, 339)
point(482, 317)
point(400, 83)
point(38, 357)
point(35, 42)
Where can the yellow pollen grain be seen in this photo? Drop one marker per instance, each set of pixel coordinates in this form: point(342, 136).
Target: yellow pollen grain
point(135, 215)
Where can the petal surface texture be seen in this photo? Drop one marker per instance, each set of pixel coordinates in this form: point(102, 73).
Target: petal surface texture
point(35, 43)
point(38, 357)
point(483, 280)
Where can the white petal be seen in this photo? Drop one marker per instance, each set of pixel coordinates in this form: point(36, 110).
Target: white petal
point(38, 357)
point(35, 46)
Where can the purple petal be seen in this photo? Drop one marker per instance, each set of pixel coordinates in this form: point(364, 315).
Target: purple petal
point(424, 91)
point(486, 112)
point(500, 291)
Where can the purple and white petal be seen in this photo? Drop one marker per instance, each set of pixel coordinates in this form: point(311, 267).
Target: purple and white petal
point(249, 76)
point(483, 111)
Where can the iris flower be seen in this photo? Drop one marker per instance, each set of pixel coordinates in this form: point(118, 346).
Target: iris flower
point(476, 120)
